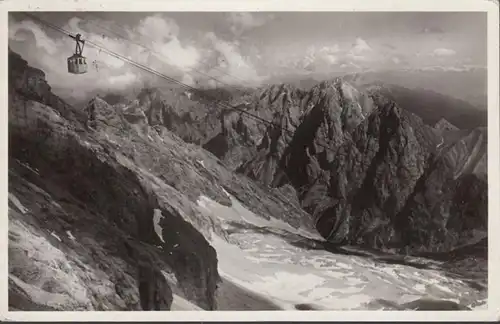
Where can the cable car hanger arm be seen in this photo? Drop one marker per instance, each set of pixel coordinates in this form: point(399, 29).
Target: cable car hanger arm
point(79, 40)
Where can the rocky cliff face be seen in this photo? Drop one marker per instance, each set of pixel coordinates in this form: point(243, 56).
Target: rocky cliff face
point(404, 191)
point(444, 125)
point(65, 181)
point(368, 171)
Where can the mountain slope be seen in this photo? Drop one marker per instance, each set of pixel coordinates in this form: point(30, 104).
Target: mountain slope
point(363, 159)
point(115, 212)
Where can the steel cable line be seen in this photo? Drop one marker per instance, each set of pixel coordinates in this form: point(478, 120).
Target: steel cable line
point(170, 79)
point(159, 54)
point(159, 74)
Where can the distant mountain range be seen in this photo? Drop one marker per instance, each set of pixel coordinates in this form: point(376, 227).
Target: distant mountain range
point(468, 84)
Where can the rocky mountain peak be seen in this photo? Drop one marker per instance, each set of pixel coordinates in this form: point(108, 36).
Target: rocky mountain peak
point(445, 125)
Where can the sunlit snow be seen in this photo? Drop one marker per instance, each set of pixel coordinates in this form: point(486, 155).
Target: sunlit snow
point(288, 275)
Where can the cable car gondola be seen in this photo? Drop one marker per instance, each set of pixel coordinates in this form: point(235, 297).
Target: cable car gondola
point(77, 63)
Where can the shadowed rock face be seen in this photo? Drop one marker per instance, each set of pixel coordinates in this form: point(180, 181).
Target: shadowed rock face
point(63, 180)
point(369, 172)
point(373, 174)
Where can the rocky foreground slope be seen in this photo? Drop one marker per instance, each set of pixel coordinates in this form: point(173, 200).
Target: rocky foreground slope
point(132, 217)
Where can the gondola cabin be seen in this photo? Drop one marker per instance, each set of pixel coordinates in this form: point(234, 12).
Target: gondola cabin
point(77, 63)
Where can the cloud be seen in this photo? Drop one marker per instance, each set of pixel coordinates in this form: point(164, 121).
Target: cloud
point(360, 46)
point(319, 58)
point(330, 58)
point(153, 42)
point(443, 52)
point(355, 55)
point(360, 51)
point(18, 32)
point(229, 60)
point(188, 79)
point(158, 28)
point(160, 34)
point(50, 54)
point(241, 22)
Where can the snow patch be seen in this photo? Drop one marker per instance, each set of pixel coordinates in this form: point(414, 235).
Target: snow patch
point(34, 251)
point(111, 141)
point(181, 304)
point(157, 216)
point(188, 94)
point(13, 199)
point(420, 288)
point(27, 166)
point(238, 212)
point(343, 266)
point(55, 235)
point(442, 142)
point(70, 236)
point(170, 277)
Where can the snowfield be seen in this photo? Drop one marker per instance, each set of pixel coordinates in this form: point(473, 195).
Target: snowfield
point(259, 257)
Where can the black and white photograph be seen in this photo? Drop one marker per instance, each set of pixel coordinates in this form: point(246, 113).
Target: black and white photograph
point(248, 160)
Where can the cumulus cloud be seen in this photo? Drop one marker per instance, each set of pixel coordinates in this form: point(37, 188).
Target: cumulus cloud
point(360, 46)
point(158, 28)
point(333, 57)
point(318, 58)
point(18, 32)
point(231, 61)
point(241, 22)
point(360, 51)
point(160, 34)
point(443, 52)
point(153, 42)
point(355, 55)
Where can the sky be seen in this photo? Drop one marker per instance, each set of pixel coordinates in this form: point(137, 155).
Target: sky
point(246, 48)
